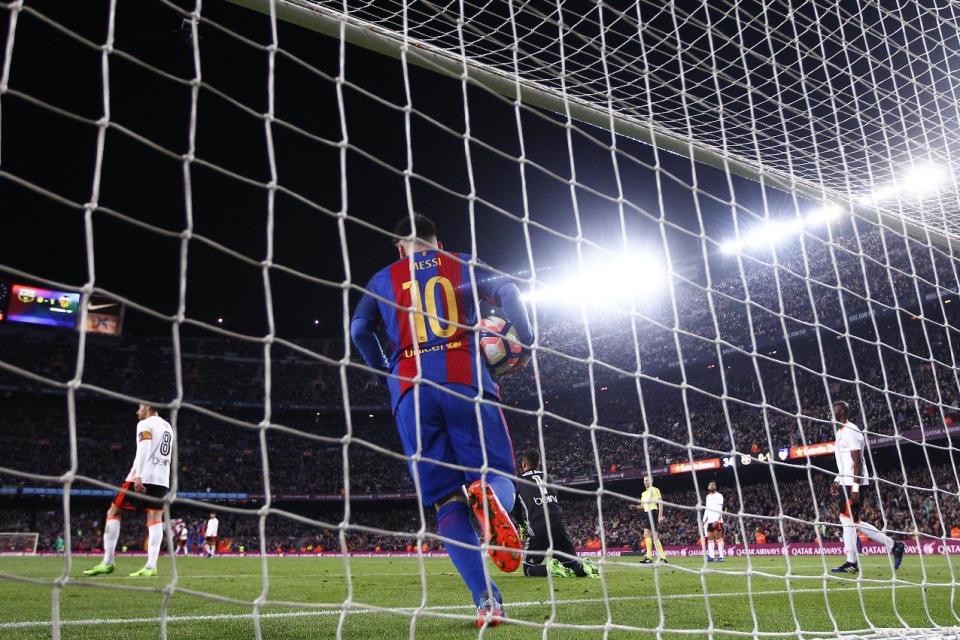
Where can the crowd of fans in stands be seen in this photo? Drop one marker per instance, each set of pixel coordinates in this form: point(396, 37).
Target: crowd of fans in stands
point(699, 374)
point(795, 510)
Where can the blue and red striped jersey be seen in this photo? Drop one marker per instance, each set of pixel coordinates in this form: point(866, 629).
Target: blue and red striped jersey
point(440, 292)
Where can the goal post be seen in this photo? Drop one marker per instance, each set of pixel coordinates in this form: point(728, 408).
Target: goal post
point(18, 544)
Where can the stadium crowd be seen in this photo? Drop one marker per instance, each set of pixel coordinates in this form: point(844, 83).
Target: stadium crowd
point(901, 507)
point(698, 374)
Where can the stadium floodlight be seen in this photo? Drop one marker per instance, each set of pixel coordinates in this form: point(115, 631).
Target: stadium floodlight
point(918, 181)
point(605, 283)
point(924, 179)
point(826, 214)
point(773, 231)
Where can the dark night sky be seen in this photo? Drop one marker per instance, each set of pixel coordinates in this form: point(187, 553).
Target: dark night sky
point(46, 238)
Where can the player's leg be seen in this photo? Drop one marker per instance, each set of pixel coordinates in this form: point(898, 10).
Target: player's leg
point(849, 537)
point(491, 495)
point(442, 488)
point(711, 543)
point(648, 546)
point(720, 543)
point(213, 547)
point(892, 546)
point(111, 534)
point(534, 564)
point(875, 534)
point(154, 539)
point(654, 533)
point(463, 546)
point(567, 555)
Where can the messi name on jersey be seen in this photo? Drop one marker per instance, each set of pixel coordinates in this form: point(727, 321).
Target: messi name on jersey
point(427, 264)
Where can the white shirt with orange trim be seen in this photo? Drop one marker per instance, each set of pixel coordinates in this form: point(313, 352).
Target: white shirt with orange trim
point(850, 439)
point(155, 442)
point(213, 527)
point(714, 508)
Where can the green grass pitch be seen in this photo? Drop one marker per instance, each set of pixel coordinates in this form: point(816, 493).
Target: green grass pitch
point(91, 611)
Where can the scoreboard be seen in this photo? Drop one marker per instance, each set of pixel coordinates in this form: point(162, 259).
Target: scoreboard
point(29, 304)
point(33, 305)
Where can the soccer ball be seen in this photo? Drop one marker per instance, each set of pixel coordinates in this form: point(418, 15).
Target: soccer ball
point(500, 344)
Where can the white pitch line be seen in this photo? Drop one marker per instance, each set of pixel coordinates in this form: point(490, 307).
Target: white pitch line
point(33, 624)
point(717, 569)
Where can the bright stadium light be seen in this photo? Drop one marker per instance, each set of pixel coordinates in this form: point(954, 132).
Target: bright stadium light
point(824, 215)
point(924, 179)
point(605, 283)
point(770, 232)
point(731, 247)
point(918, 181)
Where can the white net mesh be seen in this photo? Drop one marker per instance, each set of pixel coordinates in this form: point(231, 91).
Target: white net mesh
point(780, 238)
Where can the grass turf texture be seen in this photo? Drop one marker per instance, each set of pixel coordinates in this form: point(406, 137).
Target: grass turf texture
point(396, 583)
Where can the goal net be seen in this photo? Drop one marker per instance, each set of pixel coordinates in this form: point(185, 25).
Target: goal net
point(23, 544)
point(724, 218)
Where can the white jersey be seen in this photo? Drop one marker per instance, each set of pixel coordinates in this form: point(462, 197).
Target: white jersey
point(849, 439)
point(714, 508)
point(154, 452)
point(184, 532)
point(213, 527)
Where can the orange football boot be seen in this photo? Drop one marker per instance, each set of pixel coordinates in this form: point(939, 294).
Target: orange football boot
point(499, 531)
point(490, 613)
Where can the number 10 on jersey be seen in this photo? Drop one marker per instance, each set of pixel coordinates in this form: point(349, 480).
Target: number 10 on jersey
point(434, 317)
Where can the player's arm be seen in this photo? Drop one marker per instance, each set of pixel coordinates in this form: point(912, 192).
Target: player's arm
point(505, 295)
point(363, 332)
point(508, 299)
point(857, 455)
point(144, 440)
point(498, 291)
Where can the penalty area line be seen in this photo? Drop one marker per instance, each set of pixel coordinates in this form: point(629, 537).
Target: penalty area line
point(361, 610)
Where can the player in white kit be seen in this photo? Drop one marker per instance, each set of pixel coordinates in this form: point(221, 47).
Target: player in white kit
point(149, 476)
point(713, 520)
point(182, 534)
point(850, 485)
point(210, 535)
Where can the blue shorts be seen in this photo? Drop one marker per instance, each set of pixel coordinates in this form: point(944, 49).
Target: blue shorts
point(449, 433)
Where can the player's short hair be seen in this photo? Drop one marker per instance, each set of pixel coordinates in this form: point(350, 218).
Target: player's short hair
point(532, 458)
point(426, 229)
